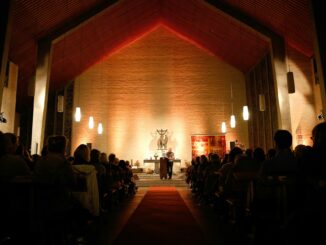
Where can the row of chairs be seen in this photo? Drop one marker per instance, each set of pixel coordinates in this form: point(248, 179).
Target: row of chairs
point(257, 207)
point(45, 213)
point(32, 210)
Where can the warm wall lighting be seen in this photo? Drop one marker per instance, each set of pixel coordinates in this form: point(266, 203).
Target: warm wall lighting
point(262, 102)
point(77, 114)
point(245, 113)
point(223, 127)
point(232, 121)
point(91, 122)
point(100, 128)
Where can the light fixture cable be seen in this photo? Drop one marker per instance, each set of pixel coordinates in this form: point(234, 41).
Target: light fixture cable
point(232, 119)
point(78, 109)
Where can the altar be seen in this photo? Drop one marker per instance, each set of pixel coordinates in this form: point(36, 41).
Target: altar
point(156, 163)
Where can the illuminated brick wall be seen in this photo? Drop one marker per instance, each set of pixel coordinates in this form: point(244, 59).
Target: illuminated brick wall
point(160, 81)
point(304, 102)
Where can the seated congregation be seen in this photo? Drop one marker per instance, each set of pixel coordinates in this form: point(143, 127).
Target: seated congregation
point(273, 197)
point(277, 197)
point(54, 199)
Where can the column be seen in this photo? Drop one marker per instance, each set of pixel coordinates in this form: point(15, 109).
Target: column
point(320, 47)
point(4, 42)
point(282, 96)
point(42, 80)
point(8, 105)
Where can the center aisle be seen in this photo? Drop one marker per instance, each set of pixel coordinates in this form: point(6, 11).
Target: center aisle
point(162, 217)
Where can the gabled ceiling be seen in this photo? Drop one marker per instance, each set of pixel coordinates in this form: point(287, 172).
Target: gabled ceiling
point(124, 21)
point(291, 19)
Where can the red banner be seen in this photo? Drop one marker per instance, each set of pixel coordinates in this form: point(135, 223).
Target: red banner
point(203, 145)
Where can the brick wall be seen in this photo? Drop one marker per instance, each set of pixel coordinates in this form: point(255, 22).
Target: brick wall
point(160, 81)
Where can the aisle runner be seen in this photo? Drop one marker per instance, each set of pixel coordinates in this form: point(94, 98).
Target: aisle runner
point(161, 218)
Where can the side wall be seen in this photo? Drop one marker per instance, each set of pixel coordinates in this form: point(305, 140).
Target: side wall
point(305, 103)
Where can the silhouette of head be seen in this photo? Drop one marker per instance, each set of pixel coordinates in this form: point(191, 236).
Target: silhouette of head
point(283, 139)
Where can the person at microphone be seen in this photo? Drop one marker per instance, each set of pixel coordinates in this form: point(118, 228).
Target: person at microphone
point(170, 156)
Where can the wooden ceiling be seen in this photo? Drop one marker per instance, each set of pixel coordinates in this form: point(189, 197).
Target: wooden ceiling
point(117, 23)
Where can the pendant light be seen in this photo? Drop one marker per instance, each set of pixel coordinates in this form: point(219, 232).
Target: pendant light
point(91, 122)
point(245, 113)
point(223, 127)
point(60, 97)
point(289, 74)
point(232, 119)
point(100, 128)
point(78, 110)
point(77, 114)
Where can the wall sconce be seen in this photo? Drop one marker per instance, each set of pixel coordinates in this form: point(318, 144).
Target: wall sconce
point(223, 127)
point(100, 128)
point(261, 102)
point(77, 114)
point(91, 122)
point(245, 113)
point(290, 81)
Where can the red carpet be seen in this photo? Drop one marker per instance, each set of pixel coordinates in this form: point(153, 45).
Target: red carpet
point(162, 217)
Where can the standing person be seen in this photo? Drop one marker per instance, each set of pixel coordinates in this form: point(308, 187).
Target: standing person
point(170, 156)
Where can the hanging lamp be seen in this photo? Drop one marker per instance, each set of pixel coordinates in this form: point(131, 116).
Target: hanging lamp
point(232, 119)
point(245, 113)
point(91, 122)
point(77, 114)
point(289, 74)
point(100, 128)
point(223, 127)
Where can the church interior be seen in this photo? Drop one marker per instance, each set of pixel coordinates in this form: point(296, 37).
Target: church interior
point(135, 78)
